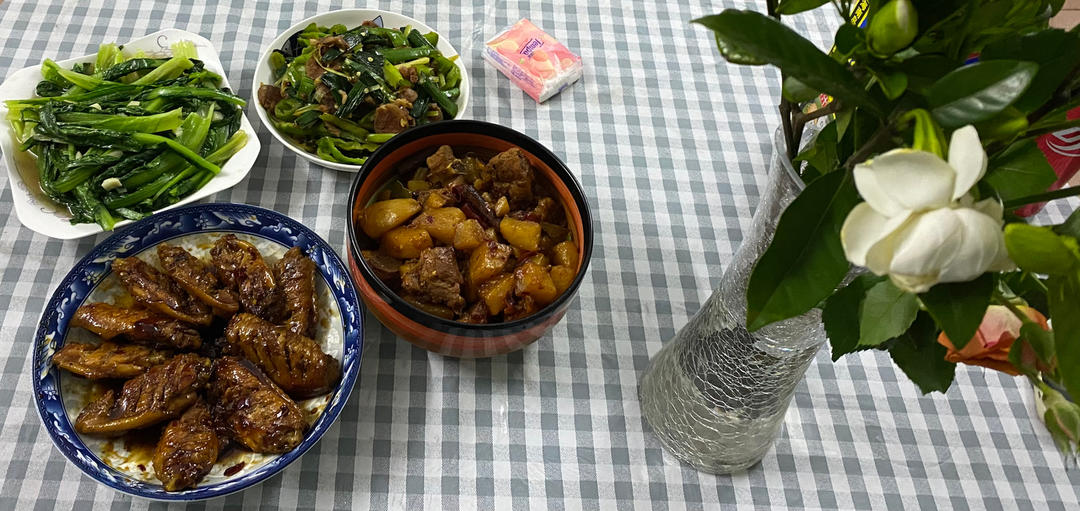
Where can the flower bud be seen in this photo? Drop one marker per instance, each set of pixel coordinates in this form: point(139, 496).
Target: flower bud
point(1062, 419)
point(892, 28)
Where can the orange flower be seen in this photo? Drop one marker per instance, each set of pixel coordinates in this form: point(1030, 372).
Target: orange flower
point(992, 341)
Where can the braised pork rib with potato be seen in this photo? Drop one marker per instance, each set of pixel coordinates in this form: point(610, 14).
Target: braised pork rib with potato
point(471, 241)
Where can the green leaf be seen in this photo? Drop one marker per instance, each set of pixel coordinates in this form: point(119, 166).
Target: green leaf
point(753, 34)
point(1020, 356)
point(959, 307)
point(843, 120)
point(797, 6)
point(1026, 286)
point(1057, 116)
point(1054, 127)
point(848, 38)
point(805, 261)
point(841, 315)
point(1071, 225)
point(1040, 250)
point(1040, 340)
point(1056, 51)
point(925, 70)
point(1064, 294)
point(886, 312)
point(1003, 127)
point(736, 54)
point(821, 154)
point(893, 84)
point(1020, 170)
point(922, 359)
point(979, 91)
point(797, 92)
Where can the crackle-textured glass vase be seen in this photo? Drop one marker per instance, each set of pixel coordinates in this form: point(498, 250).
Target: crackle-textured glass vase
point(716, 394)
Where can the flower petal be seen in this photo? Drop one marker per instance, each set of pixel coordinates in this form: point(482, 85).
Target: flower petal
point(981, 247)
point(905, 179)
point(927, 245)
point(967, 158)
point(914, 283)
point(863, 228)
point(991, 208)
point(999, 327)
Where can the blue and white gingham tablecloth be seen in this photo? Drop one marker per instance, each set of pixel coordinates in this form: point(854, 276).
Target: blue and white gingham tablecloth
point(671, 145)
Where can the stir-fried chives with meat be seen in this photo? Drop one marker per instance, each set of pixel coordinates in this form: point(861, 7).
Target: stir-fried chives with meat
point(340, 92)
point(125, 135)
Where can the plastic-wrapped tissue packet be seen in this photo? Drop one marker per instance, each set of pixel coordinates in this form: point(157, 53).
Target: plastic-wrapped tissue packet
point(534, 60)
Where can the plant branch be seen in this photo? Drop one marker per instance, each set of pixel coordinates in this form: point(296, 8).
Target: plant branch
point(1061, 93)
point(829, 109)
point(1072, 123)
point(1043, 197)
point(799, 120)
point(1002, 300)
point(881, 135)
point(785, 107)
point(789, 134)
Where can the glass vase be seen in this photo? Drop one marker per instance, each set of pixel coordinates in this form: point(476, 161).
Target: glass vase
point(716, 394)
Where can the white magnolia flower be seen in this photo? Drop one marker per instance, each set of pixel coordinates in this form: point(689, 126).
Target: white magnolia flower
point(918, 225)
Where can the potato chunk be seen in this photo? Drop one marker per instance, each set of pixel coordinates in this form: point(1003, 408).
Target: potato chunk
point(495, 291)
point(562, 276)
point(468, 235)
point(533, 280)
point(487, 261)
point(440, 223)
point(384, 215)
point(405, 242)
point(522, 234)
point(435, 199)
point(565, 254)
point(539, 258)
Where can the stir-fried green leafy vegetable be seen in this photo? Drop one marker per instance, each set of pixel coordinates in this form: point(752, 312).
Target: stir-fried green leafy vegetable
point(123, 136)
point(340, 92)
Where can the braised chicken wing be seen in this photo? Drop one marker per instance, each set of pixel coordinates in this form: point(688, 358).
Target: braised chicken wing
point(107, 360)
point(136, 325)
point(240, 266)
point(158, 292)
point(251, 410)
point(159, 394)
point(295, 363)
point(198, 279)
point(296, 277)
point(187, 449)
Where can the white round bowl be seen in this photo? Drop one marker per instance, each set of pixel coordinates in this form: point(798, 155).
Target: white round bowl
point(39, 213)
point(350, 18)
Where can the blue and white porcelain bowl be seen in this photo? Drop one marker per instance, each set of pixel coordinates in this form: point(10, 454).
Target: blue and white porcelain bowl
point(124, 463)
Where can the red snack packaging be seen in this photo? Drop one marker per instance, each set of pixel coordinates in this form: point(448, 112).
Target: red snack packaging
point(1062, 150)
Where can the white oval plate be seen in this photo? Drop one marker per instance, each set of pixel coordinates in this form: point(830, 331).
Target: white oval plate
point(38, 212)
point(350, 18)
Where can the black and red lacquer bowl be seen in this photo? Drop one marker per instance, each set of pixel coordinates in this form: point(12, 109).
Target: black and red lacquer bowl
point(429, 331)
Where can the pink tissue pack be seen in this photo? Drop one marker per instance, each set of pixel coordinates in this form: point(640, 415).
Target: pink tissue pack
point(534, 60)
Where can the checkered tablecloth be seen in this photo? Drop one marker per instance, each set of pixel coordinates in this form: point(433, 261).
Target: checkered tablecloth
point(672, 147)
